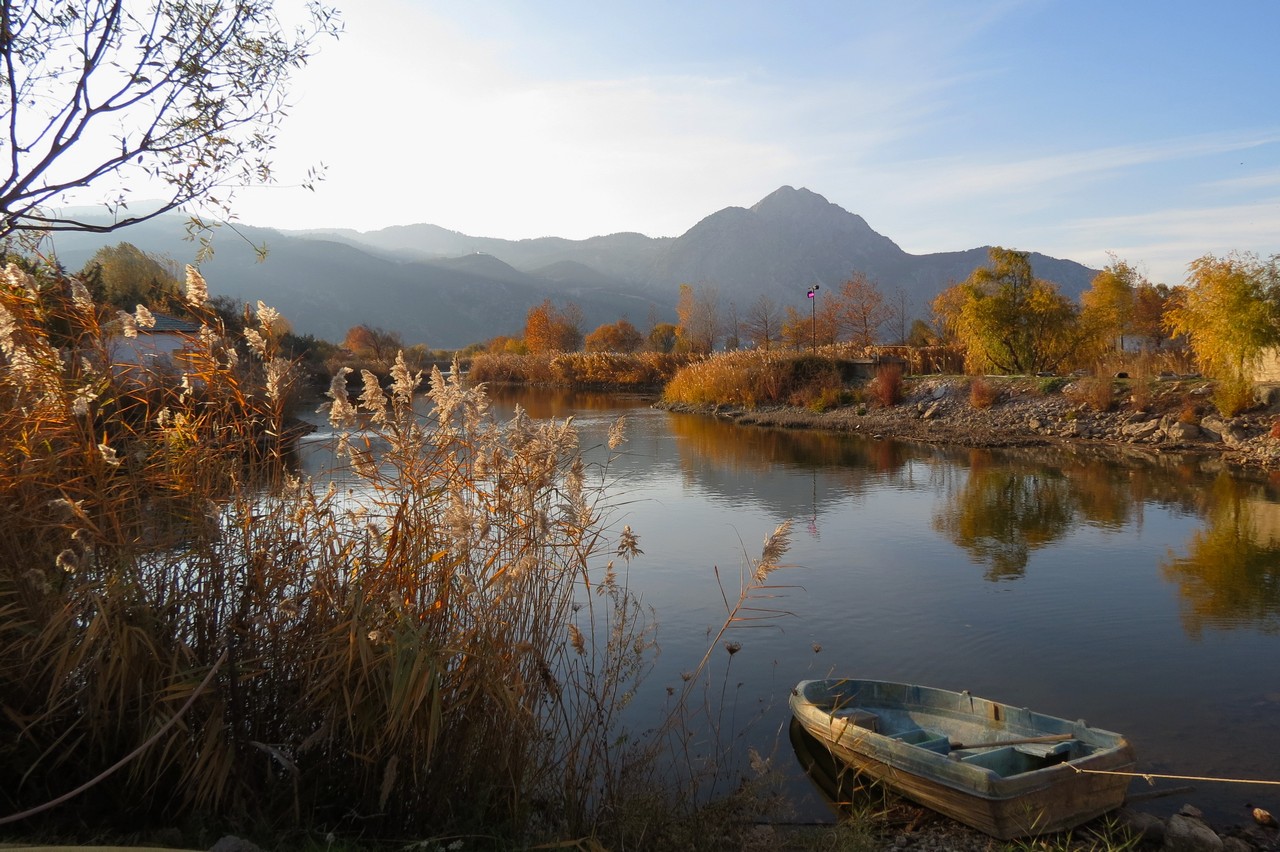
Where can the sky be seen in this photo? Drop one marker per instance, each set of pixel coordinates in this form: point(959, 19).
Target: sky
point(1146, 130)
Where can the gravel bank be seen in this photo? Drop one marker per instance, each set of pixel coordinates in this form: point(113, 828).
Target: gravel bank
point(1176, 417)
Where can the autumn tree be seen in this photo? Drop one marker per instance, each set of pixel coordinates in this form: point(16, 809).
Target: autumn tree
point(373, 344)
point(1108, 306)
point(177, 100)
point(620, 336)
point(662, 337)
point(551, 329)
point(1230, 315)
point(922, 334)
point(125, 276)
point(697, 319)
point(1149, 304)
point(859, 310)
point(763, 323)
point(1007, 320)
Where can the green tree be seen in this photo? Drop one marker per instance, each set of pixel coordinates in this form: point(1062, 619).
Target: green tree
point(176, 99)
point(1230, 315)
point(1007, 320)
point(125, 276)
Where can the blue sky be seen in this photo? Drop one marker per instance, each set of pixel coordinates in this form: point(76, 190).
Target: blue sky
point(1077, 128)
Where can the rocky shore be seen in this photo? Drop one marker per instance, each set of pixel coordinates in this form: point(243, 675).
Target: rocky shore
point(1172, 416)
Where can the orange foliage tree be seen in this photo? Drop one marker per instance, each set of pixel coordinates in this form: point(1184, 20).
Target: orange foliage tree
point(620, 336)
point(550, 329)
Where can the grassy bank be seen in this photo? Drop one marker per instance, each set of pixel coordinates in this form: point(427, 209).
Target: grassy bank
point(633, 371)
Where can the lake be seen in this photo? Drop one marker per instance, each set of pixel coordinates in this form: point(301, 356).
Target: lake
point(1143, 596)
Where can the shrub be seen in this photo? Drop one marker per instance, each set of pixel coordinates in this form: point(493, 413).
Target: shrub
point(1140, 394)
point(1233, 396)
point(1050, 385)
point(751, 378)
point(577, 369)
point(1093, 392)
point(982, 393)
point(886, 387)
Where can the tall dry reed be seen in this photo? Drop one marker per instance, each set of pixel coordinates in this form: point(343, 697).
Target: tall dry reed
point(425, 643)
point(752, 378)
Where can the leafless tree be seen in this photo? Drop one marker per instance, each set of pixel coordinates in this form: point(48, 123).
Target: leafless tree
point(172, 98)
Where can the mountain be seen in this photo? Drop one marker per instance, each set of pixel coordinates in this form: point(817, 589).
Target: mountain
point(448, 289)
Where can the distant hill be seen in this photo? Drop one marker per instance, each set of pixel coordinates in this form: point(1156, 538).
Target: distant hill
point(447, 289)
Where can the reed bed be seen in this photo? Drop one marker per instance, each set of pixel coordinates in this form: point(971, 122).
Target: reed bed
point(754, 378)
point(641, 370)
point(436, 641)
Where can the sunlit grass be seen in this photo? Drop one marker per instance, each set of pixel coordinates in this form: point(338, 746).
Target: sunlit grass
point(757, 377)
point(402, 652)
point(439, 641)
point(642, 370)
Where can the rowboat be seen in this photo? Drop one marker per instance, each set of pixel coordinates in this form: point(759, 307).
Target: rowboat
point(1004, 770)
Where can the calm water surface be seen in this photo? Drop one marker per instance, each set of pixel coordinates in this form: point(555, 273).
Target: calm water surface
point(1143, 598)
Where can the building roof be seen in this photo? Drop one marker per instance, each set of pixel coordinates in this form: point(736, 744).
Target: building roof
point(166, 324)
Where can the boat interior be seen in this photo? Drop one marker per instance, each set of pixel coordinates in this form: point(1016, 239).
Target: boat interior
point(969, 742)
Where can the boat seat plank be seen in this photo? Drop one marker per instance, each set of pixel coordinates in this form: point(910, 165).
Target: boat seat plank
point(857, 717)
point(1046, 749)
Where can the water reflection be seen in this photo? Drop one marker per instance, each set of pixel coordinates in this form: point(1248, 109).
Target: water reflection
point(1230, 575)
point(1002, 512)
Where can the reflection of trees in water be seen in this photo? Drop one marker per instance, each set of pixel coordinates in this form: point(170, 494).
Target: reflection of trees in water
point(1230, 576)
point(1001, 512)
point(722, 443)
point(1003, 505)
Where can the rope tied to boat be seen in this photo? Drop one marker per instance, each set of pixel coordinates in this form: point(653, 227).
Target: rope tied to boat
point(1150, 777)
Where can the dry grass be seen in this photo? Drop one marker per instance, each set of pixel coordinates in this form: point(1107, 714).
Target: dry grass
point(1095, 392)
point(578, 369)
point(886, 388)
point(983, 393)
point(434, 641)
point(753, 378)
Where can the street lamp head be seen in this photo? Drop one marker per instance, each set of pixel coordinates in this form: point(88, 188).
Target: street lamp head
point(813, 291)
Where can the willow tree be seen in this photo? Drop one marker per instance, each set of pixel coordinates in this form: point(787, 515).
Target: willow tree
point(1007, 320)
point(1109, 305)
point(1231, 316)
point(174, 100)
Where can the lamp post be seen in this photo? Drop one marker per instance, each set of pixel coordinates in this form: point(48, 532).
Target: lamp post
point(813, 314)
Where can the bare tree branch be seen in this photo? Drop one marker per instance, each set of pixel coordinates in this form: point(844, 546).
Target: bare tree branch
point(182, 100)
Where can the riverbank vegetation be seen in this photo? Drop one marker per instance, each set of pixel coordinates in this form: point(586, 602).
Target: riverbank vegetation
point(627, 371)
point(438, 642)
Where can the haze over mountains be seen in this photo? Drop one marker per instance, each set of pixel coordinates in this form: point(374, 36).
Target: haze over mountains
point(447, 289)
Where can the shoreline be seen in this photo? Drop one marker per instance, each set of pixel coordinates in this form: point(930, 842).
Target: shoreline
point(938, 411)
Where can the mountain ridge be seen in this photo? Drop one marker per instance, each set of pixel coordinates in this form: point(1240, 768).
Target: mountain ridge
point(448, 289)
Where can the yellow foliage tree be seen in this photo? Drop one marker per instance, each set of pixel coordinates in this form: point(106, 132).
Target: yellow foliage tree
point(1230, 316)
point(1007, 320)
point(1108, 307)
